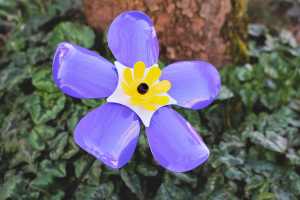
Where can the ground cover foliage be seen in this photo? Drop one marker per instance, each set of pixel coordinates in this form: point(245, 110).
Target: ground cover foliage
point(252, 130)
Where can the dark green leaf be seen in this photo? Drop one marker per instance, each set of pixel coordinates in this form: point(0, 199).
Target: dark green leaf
point(94, 103)
point(80, 112)
point(186, 178)
point(234, 173)
point(282, 194)
point(146, 169)
point(57, 145)
point(244, 73)
point(14, 187)
point(43, 80)
point(169, 192)
point(67, 32)
point(266, 196)
point(93, 175)
point(38, 54)
point(71, 149)
point(225, 93)
point(271, 141)
point(42, 183)
point(102, 191)
point(295, 187)
point(57, 170)
point(27, 153)
point(41, 111)
point(133, 182)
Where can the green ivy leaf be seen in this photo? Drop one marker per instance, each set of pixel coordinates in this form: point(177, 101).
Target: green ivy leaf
point(294, 122)
point(93, 175)
point(223, 194)
point(39, 19)
point(107, 171)
point(10, 125)
point(43, 80)
point(257, 30)
point(168, 191)
point(270, 141)
point(225, 93)
point(41, 111)
point(57, 145)
point(38, 54)
point(256, 183)
point(243, 73)
point(102, 191)
point(294, 159)
point(270, 100)
point(295, 186)
point(57, 170)
point(287, 37)
point(266, 196)
point(11, 76)
point(43, 183)
point(14, 187)
point(227, 159)
point(186, 178)
point(94, 103)
point(282, 193)
point(27, 153)
point(68, 32)
point(133, 182)
point(39, 135)
point(36, 141)
point(146, 170)
point(80, 112)
point(71, 149)
point(234, 173)
point(214, 181)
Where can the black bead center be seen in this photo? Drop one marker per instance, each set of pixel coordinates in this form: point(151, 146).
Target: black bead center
point(143, 88)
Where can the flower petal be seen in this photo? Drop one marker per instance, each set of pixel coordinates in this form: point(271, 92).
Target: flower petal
point(194, 84)
point(160, 100)
point(162, 87)
point(82, 73)
point(128, 76)
point(139, 69)
point(110, 133)
point(153, 74)
point(132, 38)
point(174, 142)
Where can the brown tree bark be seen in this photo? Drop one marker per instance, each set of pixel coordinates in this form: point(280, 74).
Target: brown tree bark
point(207, 30)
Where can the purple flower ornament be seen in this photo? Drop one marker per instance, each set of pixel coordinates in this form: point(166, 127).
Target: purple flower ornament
point(136, 90)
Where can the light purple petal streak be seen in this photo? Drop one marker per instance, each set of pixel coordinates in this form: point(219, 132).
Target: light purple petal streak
point(174, 142)
point(132, 38)
point(82, 73)
point(110, 133)
point(194, 84)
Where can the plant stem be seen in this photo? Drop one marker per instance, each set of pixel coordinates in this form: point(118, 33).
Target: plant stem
point(82, 175)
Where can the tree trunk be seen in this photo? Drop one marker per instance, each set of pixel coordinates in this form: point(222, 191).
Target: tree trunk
point(209, 30)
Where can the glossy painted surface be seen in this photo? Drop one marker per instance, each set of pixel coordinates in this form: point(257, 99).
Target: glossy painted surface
point(132, 38)
point(82, 73)
point(174, 142)
point(194, 84)
point(110, 133)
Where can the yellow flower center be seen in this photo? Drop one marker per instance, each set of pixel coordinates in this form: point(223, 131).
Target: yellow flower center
point(143, 91)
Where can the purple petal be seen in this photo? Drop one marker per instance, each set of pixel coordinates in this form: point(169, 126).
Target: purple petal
point(174, 142)
point(194, 84)
point(132, 38)
point(82, 73)
point(110, 133)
